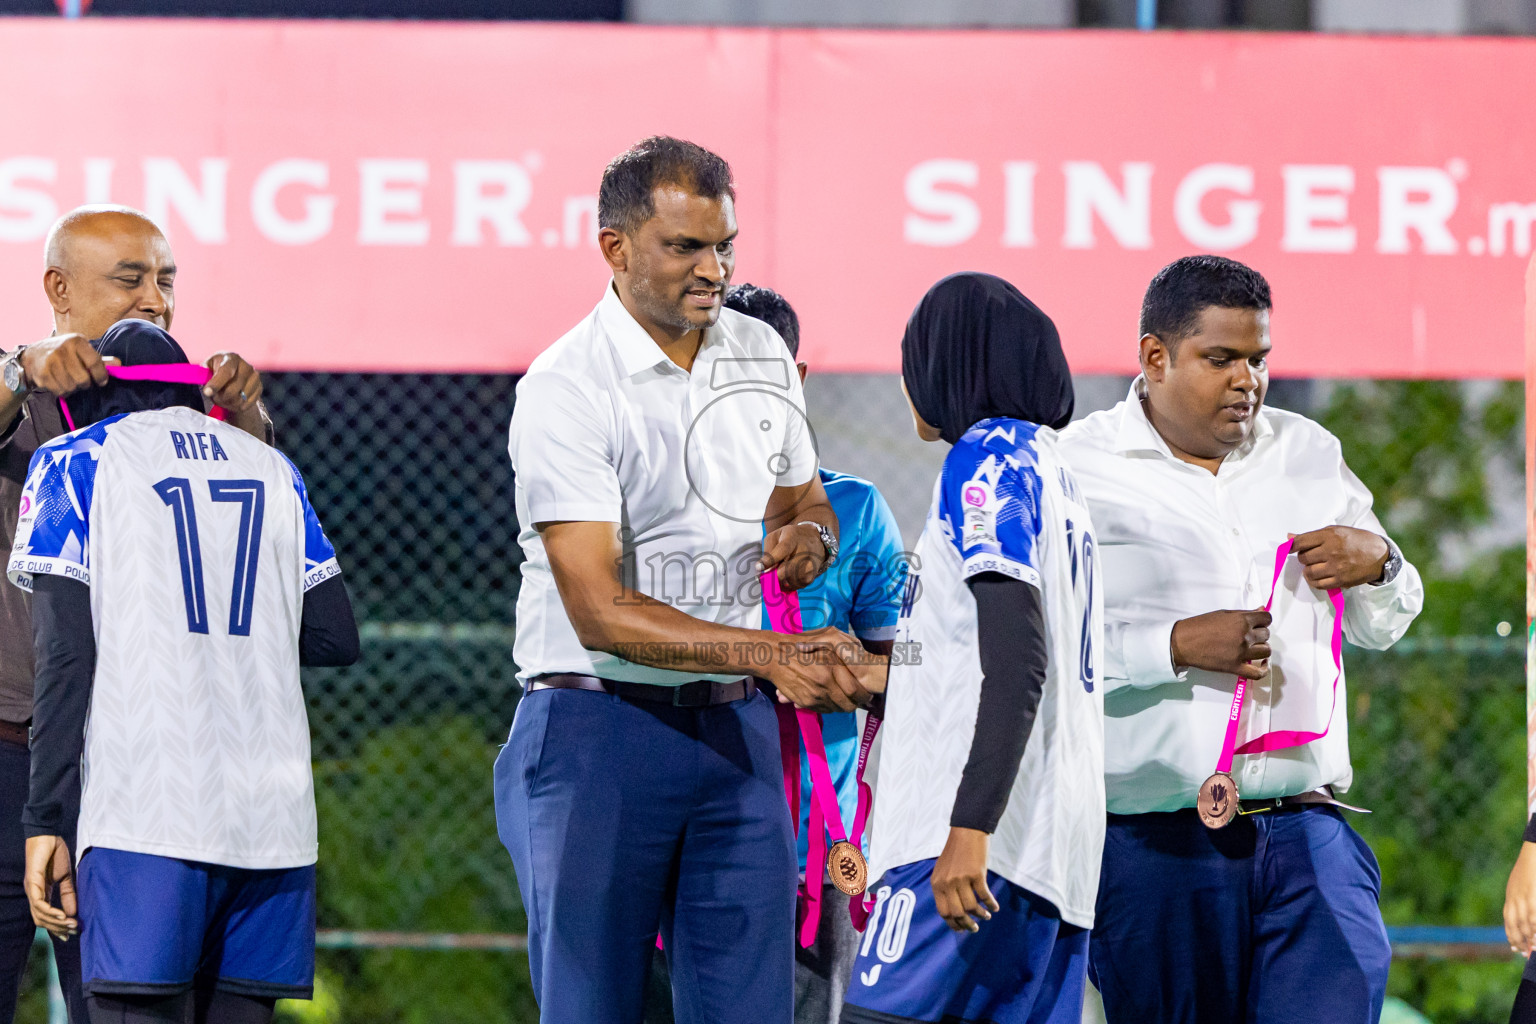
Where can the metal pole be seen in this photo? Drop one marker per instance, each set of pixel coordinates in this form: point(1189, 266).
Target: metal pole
point(58, 1013)
point(1146, 15)
point(1530, 536)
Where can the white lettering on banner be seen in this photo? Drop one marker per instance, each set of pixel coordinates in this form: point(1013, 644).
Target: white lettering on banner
point(490, 190)
point(1242, 224)
point(1127, 213)
point(167, 187)
point(1509, 227)
point(961, 216)
point(1018, 204)
point(98, 179)
point(385, 198)
point(1317, 208)
point(36, 208)
point(1417, 199)
point(580, 221)
point(319, 210)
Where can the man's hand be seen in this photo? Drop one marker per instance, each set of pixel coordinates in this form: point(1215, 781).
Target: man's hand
point(871, 670)
point(49, 864)
point(809, 671)
point(1520, 902)
point(64, 364)
point(1340, 557)
point(797, 552)
point(960, 881)
point(1234, 642)
point(235, 384)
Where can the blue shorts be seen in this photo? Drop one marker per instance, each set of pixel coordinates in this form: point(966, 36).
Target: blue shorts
point(156, 925)
point(1025, 966)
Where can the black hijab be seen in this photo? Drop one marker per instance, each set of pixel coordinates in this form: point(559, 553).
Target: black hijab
point(135, 343)
point(975, 348)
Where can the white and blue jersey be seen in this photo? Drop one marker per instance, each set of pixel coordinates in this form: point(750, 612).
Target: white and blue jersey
point(1004, 503)
point(198, 543)
point(859, 594)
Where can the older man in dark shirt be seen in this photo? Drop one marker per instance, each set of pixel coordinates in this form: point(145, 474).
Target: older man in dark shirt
point(102, 264)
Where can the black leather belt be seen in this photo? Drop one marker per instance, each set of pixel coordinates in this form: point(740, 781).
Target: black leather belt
point(700, 693)
point(1295, 803)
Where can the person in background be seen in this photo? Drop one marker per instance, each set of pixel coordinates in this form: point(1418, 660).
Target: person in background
point(101, 264)
point(991, 788)
point(1195, 486)
point(1520, 923)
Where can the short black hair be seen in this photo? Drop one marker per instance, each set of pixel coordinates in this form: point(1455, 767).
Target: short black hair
point(1171, 308)
point(771, 308)
point(624, 199)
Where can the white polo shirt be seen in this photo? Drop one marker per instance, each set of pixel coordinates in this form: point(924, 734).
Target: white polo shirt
point(1178, 541)
point(606, 428)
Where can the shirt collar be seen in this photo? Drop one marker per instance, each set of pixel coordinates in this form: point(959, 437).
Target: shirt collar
point(636, 349)
point(1136, 433)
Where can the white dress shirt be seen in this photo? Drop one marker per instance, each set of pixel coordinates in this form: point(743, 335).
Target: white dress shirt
point(606, 428)
point(1178, 541)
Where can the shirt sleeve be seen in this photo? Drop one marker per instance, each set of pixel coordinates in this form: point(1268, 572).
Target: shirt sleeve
point(1376, 617)
point(64, 645)
point(562, 453)
point(1140, 654)
point(319, 554)
point(877, 572)
point(990, 505)
point(53, 525)
point(799, 451)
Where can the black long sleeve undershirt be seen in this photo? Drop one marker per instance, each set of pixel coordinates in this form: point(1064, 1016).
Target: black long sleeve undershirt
point(1010, 630)
point(64, 648)
point(64, 645)
point(327, 628)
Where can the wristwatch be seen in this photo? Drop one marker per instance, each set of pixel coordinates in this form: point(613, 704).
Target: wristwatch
point(1393, 566)
point(828, 540)
point(15, 379)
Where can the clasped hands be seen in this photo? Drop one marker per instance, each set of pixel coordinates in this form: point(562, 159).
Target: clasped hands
point(820, 669)
point(826, 670)
point(1236, 642)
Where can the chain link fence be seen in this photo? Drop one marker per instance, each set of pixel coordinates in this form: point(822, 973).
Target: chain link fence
point(411, 478)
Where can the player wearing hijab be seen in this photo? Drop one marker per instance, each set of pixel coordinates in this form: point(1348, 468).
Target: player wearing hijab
point(179, 579)
point(990, 822)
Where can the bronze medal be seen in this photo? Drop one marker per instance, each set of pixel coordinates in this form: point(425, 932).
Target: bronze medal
point(1218, 801)
point(847, 867)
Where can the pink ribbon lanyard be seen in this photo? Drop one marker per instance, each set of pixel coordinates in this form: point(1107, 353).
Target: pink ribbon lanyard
point(164, 373)
point(1283, 738)
point(826, 816)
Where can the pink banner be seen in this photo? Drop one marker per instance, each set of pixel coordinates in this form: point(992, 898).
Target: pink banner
point(415, 196)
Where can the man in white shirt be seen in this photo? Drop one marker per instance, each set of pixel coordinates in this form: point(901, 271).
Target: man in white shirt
point(641, 788)
point(1194, 486)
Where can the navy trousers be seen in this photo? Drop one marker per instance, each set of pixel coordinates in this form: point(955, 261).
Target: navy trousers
point(1271, 920)
point(17, 932)
point(625, 818)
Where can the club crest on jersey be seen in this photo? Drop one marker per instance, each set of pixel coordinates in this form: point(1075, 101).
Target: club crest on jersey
point(979, 499)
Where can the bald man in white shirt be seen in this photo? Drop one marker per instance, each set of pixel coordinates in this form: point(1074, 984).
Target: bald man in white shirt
point(1268, 914)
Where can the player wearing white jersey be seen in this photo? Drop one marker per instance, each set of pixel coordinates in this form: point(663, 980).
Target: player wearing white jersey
point(180, 578)
point(990, 792)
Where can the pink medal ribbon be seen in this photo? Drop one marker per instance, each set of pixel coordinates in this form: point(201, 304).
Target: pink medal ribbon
point(164, 373)
point(845, 861)
point(859, 908)
point(1218, 800)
